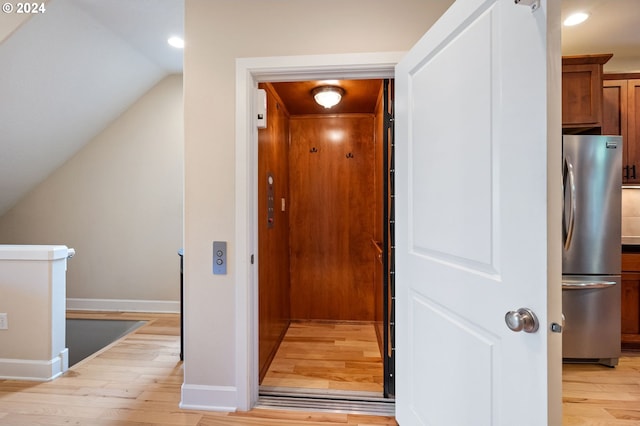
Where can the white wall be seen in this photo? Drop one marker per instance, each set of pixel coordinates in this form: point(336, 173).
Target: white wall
point(631, 212)
point(10, 22)
point(622, 65)
point(216, 33)
point(119, 203)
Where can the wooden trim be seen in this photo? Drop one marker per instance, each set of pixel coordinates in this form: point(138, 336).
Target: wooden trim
point(622, 76)
point(326, 116)
point(377, 245)
point(330, 322)
point(587, 59)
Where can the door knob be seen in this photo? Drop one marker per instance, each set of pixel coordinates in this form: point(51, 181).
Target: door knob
point(522, 319)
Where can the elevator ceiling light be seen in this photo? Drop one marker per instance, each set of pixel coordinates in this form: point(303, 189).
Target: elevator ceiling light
point(575, 19)
point(327, 96)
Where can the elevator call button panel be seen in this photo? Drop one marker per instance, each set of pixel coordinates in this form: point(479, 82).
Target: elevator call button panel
point(220, 257)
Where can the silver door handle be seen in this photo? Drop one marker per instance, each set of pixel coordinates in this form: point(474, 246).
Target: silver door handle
point(522, 320)
point(577, 285)
point(569, 179)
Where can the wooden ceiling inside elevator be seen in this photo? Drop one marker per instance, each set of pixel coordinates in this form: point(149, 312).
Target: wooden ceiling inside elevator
point(360, 96)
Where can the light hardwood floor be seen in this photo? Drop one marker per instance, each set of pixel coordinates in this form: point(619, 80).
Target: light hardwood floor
point(136, 382)
point(595, 395)
point(328, 356)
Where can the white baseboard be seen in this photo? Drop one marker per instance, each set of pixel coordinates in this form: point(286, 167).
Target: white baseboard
point(34, 370)
point(209, 398)
point(124, 305)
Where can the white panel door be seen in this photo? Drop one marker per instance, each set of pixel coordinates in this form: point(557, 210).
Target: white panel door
point(472, 221)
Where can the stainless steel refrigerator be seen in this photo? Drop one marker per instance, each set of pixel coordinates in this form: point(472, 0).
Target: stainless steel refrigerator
point(592, 181)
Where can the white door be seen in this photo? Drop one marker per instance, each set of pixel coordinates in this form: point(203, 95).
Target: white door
point(477, 143)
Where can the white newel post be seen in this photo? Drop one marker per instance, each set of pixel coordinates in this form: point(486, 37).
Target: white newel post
point(32, 311)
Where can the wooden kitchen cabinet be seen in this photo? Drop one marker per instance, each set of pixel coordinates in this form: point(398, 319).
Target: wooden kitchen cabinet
point(621, 116)
point(582, 93)
point(630, 300)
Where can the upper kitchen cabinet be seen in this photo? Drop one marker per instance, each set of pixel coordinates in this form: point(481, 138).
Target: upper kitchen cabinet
point(582, 93)
point(621, 116)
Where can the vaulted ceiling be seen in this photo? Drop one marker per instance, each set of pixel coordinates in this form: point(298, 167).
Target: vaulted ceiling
point(67, 73)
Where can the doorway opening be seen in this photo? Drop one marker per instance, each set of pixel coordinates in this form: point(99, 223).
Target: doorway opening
point(325, 242)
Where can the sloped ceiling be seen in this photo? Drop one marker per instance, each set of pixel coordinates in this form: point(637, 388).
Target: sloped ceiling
point(70, 71)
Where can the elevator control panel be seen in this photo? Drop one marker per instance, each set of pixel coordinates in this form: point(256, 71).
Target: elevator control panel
point(270, 201)
point(220, 257)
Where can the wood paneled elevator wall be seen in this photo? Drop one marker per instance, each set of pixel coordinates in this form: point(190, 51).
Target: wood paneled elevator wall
point(332, 217)
point(319, 260)
point(274, 306)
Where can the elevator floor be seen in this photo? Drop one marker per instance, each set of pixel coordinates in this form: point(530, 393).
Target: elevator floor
point(327, 356)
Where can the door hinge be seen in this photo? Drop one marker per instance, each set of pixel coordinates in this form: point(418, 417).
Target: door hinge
point(534, 4)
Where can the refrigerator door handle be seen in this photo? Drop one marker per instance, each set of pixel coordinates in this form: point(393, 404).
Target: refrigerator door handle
point(567, 175)
point(582, 284)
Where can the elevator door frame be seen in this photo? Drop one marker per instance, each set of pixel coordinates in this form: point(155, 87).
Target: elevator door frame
point(388, 243)
point(388, 249)
point(250, 72)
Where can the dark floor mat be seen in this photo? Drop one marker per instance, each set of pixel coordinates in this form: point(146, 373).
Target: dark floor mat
point(87, 336)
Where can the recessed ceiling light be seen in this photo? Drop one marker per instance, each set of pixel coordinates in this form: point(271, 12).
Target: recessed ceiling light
point(575, 19)
point(176, 42)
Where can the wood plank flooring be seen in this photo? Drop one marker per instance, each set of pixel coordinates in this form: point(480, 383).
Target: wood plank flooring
point(595, 395)
point(329, 356)
point(136, 382)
